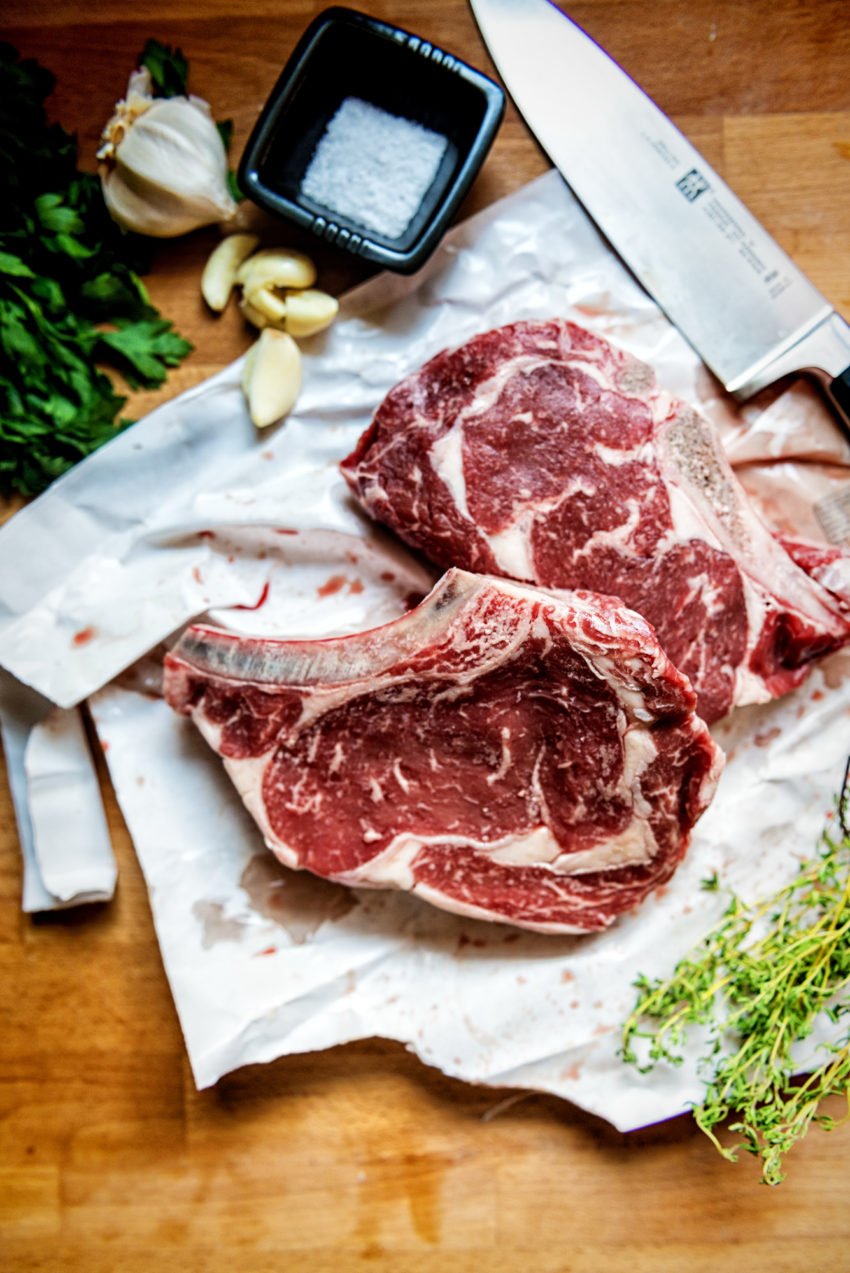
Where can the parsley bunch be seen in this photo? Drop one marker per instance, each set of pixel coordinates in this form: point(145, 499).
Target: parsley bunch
point(71, 299)
point(757, 985)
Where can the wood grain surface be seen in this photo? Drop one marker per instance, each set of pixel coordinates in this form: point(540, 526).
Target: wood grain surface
point(361, 1157)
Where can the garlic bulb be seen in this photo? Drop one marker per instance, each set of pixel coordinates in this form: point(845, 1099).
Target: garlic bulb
point(163, 164)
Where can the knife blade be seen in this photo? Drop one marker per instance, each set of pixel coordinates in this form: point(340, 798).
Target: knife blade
point(723, 281)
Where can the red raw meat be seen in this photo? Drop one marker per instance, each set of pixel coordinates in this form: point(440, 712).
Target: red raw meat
point(542, 453)
point(829, 564)
point(502, 751)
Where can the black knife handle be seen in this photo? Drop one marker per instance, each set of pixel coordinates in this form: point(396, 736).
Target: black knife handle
point(839, 391)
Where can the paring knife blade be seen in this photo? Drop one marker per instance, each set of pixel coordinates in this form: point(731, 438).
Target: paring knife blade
point(743, 304)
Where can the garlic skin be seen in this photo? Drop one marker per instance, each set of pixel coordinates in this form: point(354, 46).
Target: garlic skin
point(163, 164)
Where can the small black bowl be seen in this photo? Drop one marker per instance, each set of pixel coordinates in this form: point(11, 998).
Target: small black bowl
point(345, 54)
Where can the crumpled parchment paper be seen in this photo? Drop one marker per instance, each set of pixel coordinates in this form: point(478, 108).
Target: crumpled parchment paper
point(191, 513)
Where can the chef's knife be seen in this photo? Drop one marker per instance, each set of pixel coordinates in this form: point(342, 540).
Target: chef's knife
point(747, 309)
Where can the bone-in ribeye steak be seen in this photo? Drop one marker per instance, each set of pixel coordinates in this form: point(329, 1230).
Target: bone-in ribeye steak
point(540, 452)
point(502, 751)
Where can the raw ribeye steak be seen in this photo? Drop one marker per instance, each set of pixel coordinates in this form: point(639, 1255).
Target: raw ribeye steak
point(540, 452)
point(502, 751)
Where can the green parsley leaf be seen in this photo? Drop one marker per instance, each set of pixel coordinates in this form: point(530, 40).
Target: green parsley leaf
point(236, 191)
point(70, 296)
point(225, 131)
point(145, 349)
point(168, 67)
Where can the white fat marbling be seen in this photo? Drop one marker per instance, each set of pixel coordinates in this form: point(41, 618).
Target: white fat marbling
point(447, 459)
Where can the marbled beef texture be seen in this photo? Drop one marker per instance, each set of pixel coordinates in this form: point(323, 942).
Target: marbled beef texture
point(541, 452)
point(502, 751)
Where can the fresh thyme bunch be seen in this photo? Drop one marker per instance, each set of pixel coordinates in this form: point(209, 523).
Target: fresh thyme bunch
point(758, 983)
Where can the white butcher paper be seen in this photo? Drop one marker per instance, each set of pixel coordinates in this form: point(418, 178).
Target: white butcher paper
point(70, 836)
point(182, 516)
point(482, 1002)
point(109, 560)
point(65, 845)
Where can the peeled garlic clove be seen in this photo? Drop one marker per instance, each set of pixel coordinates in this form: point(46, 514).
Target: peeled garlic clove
point(277, 267)
point(272, 377)
point(163, 164)
point(252, 315)
point(267, 303)
point(219, 274)
point(308, 312)
point(248, 366)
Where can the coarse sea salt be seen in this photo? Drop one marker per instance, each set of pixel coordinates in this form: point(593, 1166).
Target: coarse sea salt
point(372, 167)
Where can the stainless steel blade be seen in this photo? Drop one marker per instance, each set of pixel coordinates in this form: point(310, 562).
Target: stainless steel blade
point(750, 313)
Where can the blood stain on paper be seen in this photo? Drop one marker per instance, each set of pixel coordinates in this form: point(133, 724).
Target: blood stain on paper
point(572, 1072)
point(836, 670)
point(206, 534)
point(282, 530)
point(767, 736)
point(269, 950)
point(84, 636)
point(355, 587)
point(298, 901)
point(387, 576)
point(332, 586)
point(594, 311)
point(566, 975)
point(197, 575)
point(215, 925)
point(264, 596)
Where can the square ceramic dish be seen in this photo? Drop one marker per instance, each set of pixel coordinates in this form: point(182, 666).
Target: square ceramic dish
point(346, 55)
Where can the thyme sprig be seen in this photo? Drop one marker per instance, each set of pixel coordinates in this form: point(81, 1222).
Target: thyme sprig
point(757, 985)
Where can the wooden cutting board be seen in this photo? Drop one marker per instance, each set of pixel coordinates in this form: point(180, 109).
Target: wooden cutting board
point(361, 1157)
